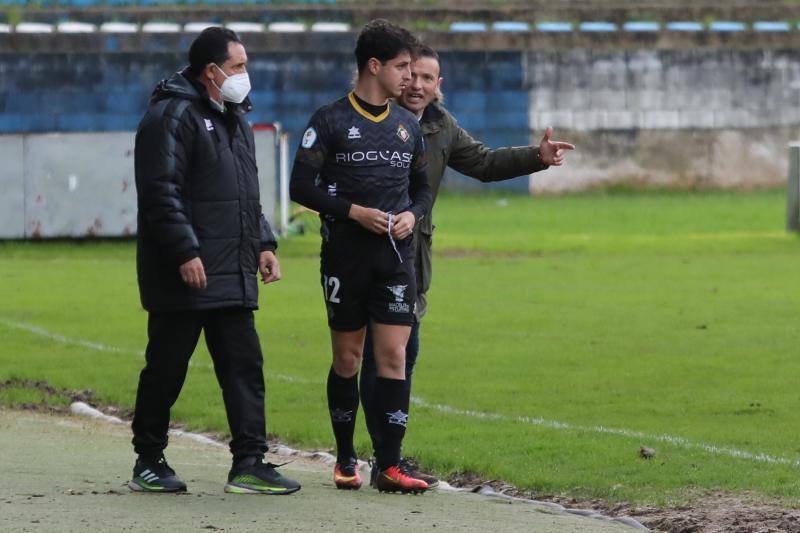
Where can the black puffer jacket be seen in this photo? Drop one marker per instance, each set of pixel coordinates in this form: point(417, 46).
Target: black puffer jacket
point(197, 190)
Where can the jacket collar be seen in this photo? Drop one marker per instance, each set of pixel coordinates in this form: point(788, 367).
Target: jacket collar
point(432, 118)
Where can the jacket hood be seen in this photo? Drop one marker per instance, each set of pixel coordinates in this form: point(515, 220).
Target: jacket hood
point(181, 85)
point(177, 85)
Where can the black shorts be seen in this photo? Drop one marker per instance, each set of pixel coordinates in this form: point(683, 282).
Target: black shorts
point(363, 277)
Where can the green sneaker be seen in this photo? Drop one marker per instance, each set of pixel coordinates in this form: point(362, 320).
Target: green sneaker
point(253, 476)
point(154, 475)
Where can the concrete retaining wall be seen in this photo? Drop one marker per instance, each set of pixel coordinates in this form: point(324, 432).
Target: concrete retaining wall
point(82, 184)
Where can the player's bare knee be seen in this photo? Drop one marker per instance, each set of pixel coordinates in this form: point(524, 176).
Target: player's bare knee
point(392, 360)
point(346, 363)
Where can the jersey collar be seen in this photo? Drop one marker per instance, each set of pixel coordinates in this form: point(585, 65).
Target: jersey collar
point(363, 112)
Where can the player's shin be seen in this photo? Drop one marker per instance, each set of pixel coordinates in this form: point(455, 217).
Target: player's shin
point(391, 399)
point(343, 406)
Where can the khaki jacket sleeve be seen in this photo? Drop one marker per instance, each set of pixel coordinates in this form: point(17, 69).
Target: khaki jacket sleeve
point(472, 158)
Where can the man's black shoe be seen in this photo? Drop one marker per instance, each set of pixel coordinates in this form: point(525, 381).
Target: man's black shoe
point(252, 475)
point(411, 468)
point(155, 475)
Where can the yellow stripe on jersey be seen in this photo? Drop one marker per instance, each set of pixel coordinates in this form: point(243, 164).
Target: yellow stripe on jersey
point(364, 113)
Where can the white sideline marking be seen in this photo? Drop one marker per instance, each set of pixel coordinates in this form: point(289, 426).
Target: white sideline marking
point(447, 409)
point(36, 330)
point(67, 340)
point(554, 424)
point(84, 409)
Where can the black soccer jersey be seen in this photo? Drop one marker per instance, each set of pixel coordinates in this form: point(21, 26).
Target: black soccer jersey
point(376, 162)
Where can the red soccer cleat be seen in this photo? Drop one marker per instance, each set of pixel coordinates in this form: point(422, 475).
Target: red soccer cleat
point(346, 477)
point(395, 480)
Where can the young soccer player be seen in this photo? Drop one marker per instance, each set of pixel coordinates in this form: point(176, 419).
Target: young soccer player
point(449, 145)
point(361, 165)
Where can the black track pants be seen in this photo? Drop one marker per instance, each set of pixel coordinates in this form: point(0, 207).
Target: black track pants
point(234, 346)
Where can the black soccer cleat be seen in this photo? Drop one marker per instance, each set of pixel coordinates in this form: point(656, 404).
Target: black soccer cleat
point(155, 475)
point(252, 475)
point(410, 468)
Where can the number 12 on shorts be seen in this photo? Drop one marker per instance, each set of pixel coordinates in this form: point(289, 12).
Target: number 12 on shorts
point(331, 289)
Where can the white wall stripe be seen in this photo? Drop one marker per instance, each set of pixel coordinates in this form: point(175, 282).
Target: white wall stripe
point(680, 442)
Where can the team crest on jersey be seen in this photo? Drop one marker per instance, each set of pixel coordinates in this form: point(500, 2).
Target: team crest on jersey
point(353, 133)
point(309, 138)
point(402, 133)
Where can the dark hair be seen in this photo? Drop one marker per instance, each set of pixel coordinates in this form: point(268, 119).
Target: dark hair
point(382, 40)
point(423, 50)
point(211, 46)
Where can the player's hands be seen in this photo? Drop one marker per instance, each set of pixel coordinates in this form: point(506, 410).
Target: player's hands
point(403, 225)
point(269, 267)
point(193, 274)
point(553, 152)
point(371, 219)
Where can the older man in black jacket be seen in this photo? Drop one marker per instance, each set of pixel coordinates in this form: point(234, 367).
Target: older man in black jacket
point(202, 240)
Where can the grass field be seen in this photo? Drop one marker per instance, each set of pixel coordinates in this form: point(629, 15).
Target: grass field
point(563, 333)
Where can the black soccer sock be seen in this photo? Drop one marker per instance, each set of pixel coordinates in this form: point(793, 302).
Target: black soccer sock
point(391, 401)
point(343, 406)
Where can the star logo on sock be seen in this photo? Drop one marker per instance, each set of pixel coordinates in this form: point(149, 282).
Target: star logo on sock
point(341, 415)
point(398, 417)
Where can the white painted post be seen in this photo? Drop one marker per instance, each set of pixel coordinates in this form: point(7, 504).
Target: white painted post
point(793, 188)
point(284, 181)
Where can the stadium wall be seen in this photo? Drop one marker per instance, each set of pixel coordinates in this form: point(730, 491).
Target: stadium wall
point(692, 110)
point(58, 185)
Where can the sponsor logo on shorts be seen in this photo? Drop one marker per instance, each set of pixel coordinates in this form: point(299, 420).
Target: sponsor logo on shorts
point(399, 292)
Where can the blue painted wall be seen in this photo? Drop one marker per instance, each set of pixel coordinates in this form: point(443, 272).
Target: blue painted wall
point(109, 92)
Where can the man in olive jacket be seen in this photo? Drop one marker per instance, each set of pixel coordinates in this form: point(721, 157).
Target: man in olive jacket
point(201, 242)
point(448, 145)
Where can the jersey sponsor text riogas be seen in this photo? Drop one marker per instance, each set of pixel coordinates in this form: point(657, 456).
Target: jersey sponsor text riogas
point(360, 158)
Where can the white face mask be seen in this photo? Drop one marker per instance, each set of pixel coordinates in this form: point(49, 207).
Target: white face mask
point(235, 88)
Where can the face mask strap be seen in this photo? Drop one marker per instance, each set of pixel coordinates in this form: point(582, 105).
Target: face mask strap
point(215, 83)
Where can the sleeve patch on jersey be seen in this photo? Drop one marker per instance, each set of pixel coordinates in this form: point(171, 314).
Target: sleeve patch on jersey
point(309, 138)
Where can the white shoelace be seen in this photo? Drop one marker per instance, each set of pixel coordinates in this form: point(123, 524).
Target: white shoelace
point(391, 239)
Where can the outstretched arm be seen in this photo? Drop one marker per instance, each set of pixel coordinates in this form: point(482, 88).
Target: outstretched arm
point(474, 159)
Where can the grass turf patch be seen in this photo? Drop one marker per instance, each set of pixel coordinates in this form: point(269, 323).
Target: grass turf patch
point(563, 333)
